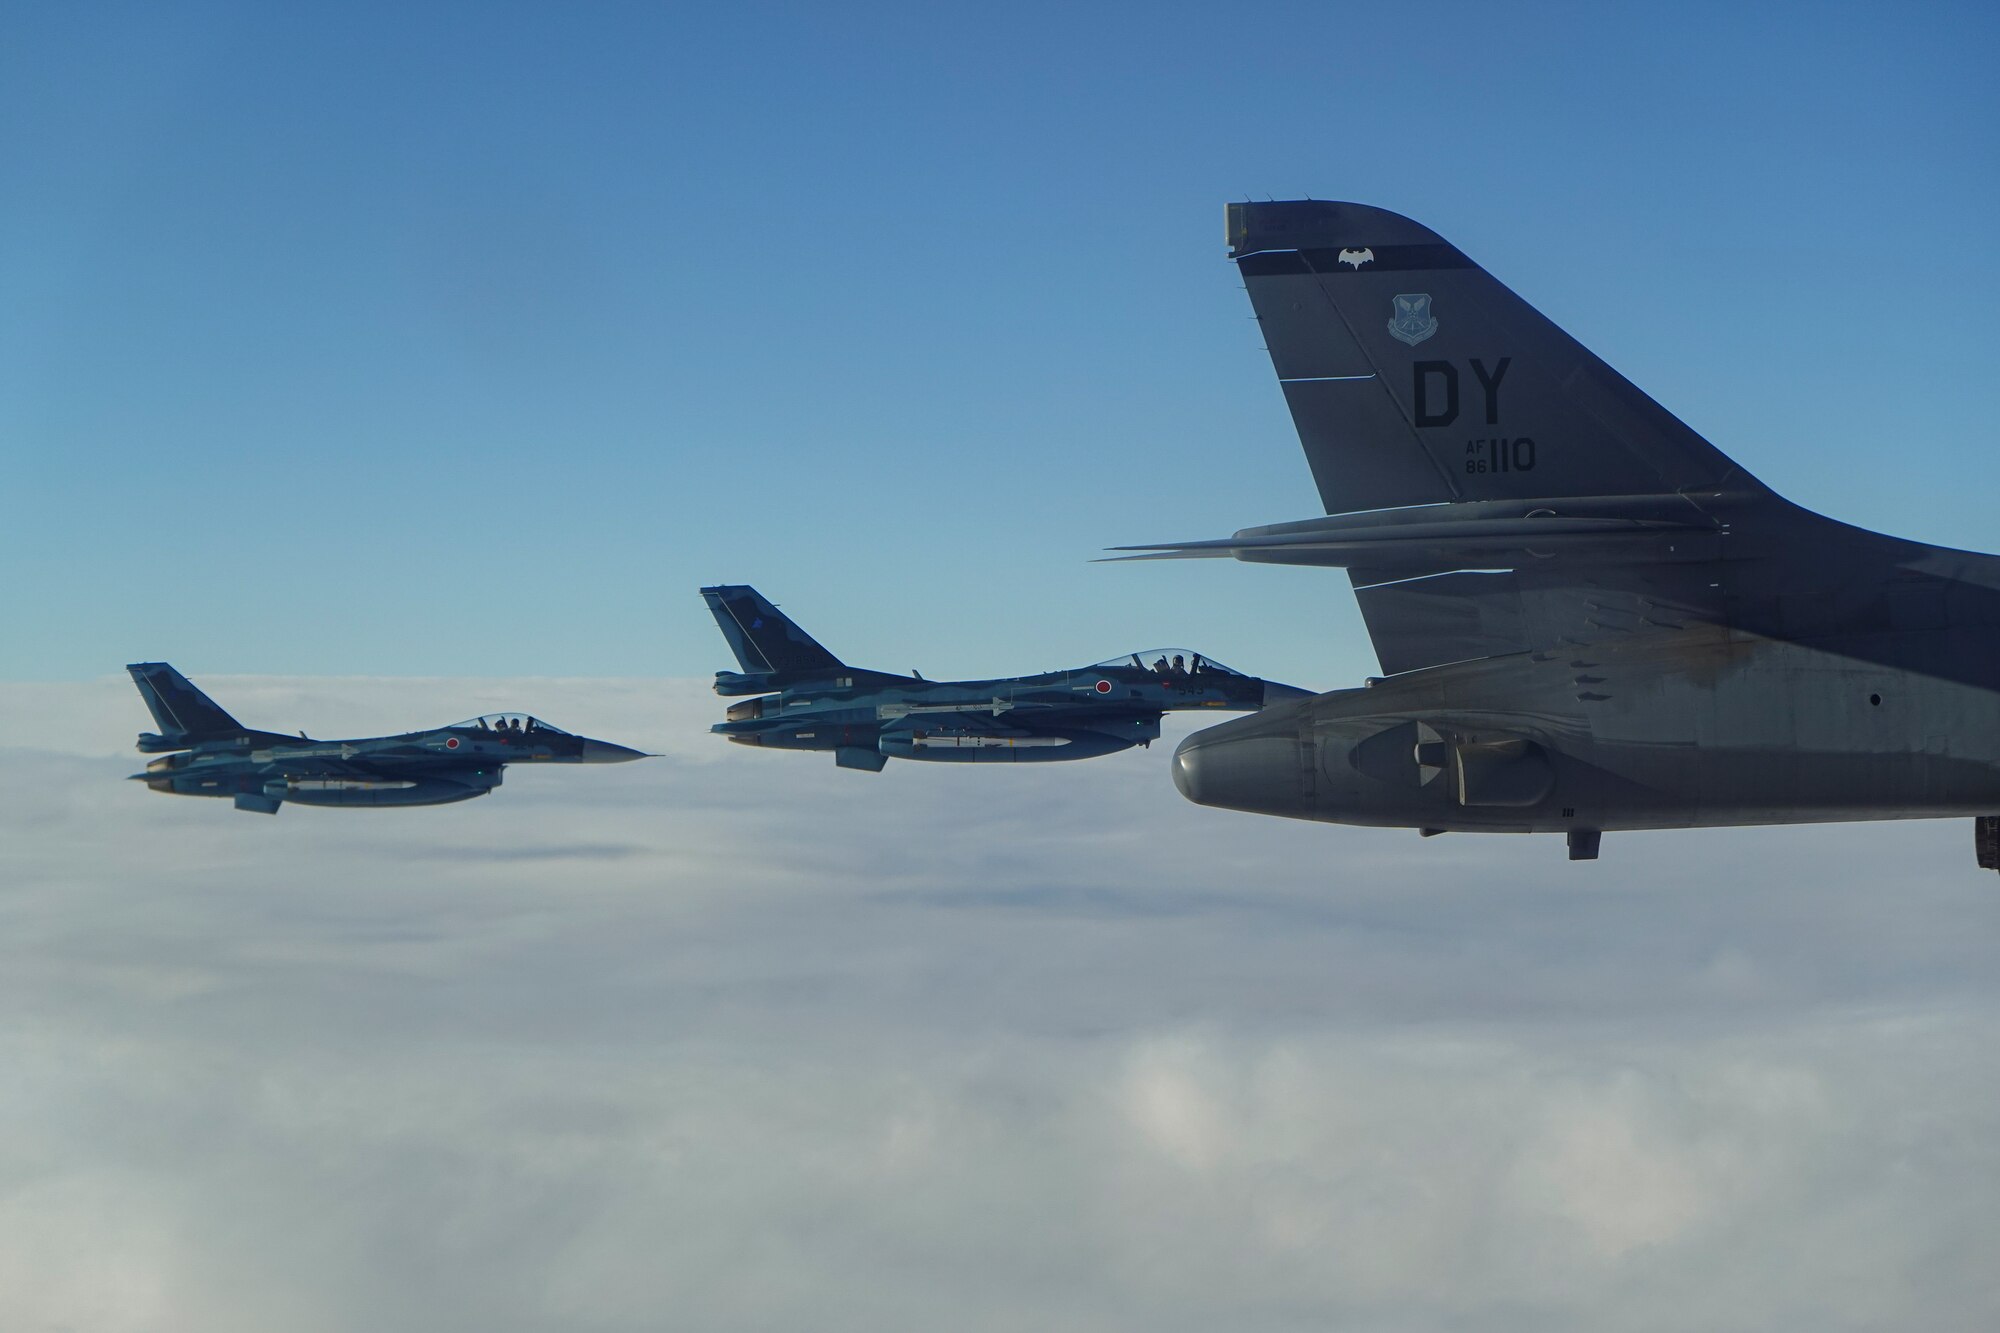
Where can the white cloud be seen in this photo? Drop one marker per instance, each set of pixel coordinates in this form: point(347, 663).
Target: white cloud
point(733, 1040)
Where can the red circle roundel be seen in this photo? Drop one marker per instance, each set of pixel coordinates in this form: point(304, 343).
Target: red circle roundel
point(451, 742)
point(1104, 687)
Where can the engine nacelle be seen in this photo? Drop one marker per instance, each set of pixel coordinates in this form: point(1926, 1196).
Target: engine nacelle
point(737, 682)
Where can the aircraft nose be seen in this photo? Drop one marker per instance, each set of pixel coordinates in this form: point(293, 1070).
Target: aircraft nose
point(604, 752)
point(1262, 774)
point(1276, 693)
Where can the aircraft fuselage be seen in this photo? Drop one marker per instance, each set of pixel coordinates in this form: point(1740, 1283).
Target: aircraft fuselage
point(1701, 727)
point(203, 751)
point(1027, 719)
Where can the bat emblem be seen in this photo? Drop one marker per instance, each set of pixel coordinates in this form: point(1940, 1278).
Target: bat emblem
point(1356, 258)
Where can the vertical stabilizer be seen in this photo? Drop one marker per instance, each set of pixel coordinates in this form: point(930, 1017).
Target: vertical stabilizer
point(184, 713)
point(764, 639)
point(1415, 377)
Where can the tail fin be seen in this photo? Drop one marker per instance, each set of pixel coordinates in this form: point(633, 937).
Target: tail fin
point(1415, 377)
point(768, 646)
point(184, 713)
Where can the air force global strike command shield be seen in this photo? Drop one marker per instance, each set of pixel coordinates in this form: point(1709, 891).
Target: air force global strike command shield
point(1591, 619)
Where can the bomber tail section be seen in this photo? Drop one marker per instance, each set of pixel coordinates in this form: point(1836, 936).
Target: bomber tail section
point(772, 650)
point(1490, 484)
point(185, 715)
point(1415, 377)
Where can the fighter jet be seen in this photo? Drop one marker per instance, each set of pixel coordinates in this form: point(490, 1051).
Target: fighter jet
point(261, 770)
point(811, 700)
point(1589, 618)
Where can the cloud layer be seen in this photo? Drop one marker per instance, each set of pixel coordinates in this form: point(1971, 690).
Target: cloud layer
point(733, 1040)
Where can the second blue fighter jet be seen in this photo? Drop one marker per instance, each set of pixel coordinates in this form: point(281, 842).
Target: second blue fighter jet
point(811, 700)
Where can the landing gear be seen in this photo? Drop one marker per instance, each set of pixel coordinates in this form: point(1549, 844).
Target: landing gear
point(1583, 843)
point(1986, 841)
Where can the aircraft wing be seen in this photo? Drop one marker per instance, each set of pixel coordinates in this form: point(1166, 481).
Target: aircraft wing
point(1446, 584)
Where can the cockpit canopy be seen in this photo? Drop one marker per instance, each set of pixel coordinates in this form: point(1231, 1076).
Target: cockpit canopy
point(1165, 661)
point(514, 724)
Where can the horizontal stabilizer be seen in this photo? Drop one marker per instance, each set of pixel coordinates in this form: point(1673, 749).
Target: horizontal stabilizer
point(1435, 538)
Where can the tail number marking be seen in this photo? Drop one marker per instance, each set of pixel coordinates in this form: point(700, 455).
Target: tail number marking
point(1502, 455)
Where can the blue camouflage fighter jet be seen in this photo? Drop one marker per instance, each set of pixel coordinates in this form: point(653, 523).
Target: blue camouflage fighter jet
point(261, 770)
point(808, 699)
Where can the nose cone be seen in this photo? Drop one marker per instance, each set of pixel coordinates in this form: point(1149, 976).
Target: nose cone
point(1274, 693)
point(604, 752)
point(1265, 774)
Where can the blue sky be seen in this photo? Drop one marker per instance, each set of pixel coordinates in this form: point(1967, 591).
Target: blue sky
point(472, 340)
